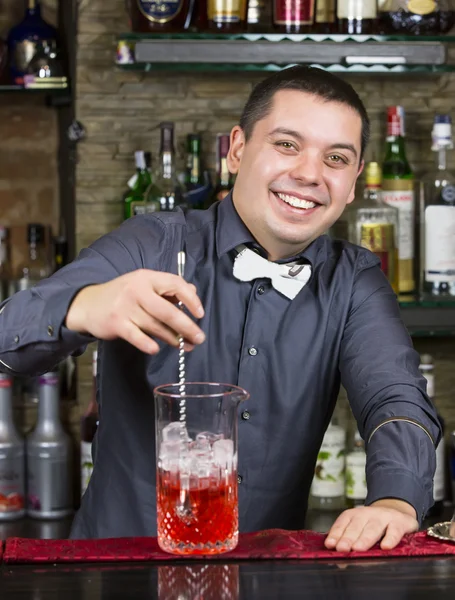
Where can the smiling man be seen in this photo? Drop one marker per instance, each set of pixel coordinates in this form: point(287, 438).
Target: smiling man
point(284, 311)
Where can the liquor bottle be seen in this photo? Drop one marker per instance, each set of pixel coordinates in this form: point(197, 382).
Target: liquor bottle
point(327, 489)
point(227, 16)
point(357, 16)
point(89, 425)
point(374, 224)
point(37, 266)
point(437, 219)
point(49, 460)
point(325, 20)
point(158, 16)
point(12, 476)
point(134, 199)
point(60, 252)
point(294, 16)
point(166, 192)
point(194, 176)
point(6, 282)
point(426, 367)
point(398, 191)
point(258, 19)
point(223, 177)
point(24, 39)
point(356, 483)
point(417, 17)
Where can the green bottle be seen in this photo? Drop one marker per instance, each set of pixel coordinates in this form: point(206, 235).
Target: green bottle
point(398, 191)
point(165, 193)
point(194, 176)
point(134, 202)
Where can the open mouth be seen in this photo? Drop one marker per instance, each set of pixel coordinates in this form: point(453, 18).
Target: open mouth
point(295, 202)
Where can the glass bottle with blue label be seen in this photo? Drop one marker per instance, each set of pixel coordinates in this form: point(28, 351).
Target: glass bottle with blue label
point(437, 219)
point(25, 38)
point(156, 16)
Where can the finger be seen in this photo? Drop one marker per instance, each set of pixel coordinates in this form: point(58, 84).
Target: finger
point(173, 285)
point(152, 326)
point(370, 535)
point(393, 536)
point(351, 533)
point(132, 334)
point(174, 318)
point(337, 529)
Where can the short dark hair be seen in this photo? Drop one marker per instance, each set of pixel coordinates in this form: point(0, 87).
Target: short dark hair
point(304, 79)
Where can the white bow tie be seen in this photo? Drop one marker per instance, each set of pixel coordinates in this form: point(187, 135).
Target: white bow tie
point(288, 278)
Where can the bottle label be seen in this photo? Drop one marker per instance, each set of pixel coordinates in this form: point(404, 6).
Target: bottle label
point(86, 465)
point(49, 485)
point(328, 478)
point(439, 479)
point(422, 7)
point(403, 199)
point(160, 12)
point(325, 11)
point(379, 238)
point(226, 11)
point(293, 12)
point(357, 9)
point(12, 484)
point(356, 482)
point(143, 208)
point(440, 243)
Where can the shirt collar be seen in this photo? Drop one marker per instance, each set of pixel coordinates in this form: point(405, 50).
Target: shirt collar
point(231, 231)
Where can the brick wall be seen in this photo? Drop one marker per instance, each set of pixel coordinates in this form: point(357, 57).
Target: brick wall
point(121, 111)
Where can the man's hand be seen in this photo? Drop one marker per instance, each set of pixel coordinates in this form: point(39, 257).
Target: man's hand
point(360, 528)
point(136, 306)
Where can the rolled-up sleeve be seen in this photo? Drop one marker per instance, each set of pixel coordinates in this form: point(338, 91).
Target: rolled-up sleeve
point(33, 335)
point(387, 394)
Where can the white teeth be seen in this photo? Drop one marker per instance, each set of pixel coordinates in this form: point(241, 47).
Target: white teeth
point(296, 202)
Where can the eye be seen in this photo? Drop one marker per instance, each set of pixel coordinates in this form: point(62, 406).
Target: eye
point(285, 145)
point(337, 159)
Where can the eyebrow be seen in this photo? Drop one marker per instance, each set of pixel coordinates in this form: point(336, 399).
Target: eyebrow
point(298, 136)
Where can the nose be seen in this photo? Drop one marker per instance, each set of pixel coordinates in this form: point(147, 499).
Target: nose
point(307, 169)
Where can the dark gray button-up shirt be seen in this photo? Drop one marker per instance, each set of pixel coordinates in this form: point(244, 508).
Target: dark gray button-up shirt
point(343, 326)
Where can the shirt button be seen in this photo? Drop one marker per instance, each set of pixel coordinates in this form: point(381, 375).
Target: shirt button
point(261, 290)
point(50, 330)
point(252, 351)
point(16, 339)
point(245, 415)
point(239, 479)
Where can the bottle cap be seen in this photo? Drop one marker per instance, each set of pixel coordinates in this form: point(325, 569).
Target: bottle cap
point(373, 174)
point(139, 158)
point(35, 233)
point(426, 362)
point(441, 134)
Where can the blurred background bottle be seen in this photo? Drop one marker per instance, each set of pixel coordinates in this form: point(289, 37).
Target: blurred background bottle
point(426, 367)
point(134, 199)
point(357, 16)
point(37, 266)
point(328, 486)
point(325, 20)
point(157, 16)
point(374, 224)
point(165, 192)
point(356, 482)
point(294, 16)
point(398, 191)
point(12, 459)
point(416, 17)
point(227, 16)
point(437, 219)
point(6, 279)
point(49, 457)
point(223, 183)
point(89, 426)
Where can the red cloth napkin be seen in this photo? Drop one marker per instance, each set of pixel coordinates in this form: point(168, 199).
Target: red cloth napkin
point(269, 544)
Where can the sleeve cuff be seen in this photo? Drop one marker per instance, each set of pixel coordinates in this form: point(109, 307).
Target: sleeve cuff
point(400, 485)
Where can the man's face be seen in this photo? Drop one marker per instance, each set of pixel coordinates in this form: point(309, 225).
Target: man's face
point(297, 171)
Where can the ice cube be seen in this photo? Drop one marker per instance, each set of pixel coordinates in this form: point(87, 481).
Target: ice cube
point(174, 432)
point(169, 455)
point(206, 438)
point(223, 453)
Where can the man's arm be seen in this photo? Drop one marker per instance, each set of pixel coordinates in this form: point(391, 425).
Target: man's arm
point(33, 335)
point(379, 370)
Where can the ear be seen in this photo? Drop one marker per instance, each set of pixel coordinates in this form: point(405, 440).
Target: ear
point(236, 146)
point(352, 192)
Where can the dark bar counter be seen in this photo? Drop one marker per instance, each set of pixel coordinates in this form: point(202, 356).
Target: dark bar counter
point(384, 579)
